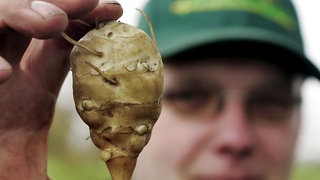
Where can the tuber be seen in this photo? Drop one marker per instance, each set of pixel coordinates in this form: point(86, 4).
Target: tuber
point(117, 86)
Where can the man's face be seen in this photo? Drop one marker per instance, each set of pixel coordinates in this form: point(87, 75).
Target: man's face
point(223, 121)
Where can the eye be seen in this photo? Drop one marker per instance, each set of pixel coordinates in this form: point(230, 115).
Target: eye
point(186, 96)
point(187, 100)
point(198, 101)
point(271, 106)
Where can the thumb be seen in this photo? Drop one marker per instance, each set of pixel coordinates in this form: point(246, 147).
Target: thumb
point(38, 19)
point(5, 70)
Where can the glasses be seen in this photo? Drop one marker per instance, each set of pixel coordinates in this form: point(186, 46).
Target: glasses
point(272, 103)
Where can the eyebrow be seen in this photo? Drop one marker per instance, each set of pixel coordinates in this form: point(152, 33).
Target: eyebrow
point(206, 83)
point(277, 83)
point(191, 81)
point(275, 87)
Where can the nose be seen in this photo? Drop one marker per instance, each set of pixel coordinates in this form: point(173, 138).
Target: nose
point(233, 136)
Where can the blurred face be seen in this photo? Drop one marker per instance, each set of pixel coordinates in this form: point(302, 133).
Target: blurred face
point(223, 121)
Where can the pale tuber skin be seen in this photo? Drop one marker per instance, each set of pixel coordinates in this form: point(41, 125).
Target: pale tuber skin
point(117, 83)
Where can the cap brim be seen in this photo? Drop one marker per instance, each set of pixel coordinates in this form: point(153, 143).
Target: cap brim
point(211, 36)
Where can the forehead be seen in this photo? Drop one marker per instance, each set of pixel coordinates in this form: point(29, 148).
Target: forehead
point(227, 72)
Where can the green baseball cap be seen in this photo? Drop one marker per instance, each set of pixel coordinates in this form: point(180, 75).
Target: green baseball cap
point(183, 25)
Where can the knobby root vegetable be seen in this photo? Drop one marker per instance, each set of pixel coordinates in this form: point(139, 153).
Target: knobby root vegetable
point(117, 84)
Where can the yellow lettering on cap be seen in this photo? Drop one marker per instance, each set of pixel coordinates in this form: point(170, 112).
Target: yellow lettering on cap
point(263, 8)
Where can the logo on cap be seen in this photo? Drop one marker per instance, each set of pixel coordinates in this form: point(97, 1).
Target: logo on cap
point(264, 8)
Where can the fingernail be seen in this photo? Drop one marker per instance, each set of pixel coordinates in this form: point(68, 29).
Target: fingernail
point(5, 69)
point(46, 9)
point(4, 65)
point(109, 2)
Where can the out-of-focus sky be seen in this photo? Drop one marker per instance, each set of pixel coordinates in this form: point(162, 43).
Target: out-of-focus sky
point(308, 144)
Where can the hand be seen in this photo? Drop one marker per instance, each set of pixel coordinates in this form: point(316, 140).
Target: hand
point(34, 61)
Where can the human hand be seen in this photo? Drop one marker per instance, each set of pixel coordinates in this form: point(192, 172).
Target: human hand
point(34, 61)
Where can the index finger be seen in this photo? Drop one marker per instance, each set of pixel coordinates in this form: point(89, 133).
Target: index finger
point(37, 19)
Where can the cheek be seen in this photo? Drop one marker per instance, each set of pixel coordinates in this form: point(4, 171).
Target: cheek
point(173, 139)
point(276, 145)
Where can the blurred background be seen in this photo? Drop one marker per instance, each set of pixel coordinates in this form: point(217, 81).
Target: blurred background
point(72, 155)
